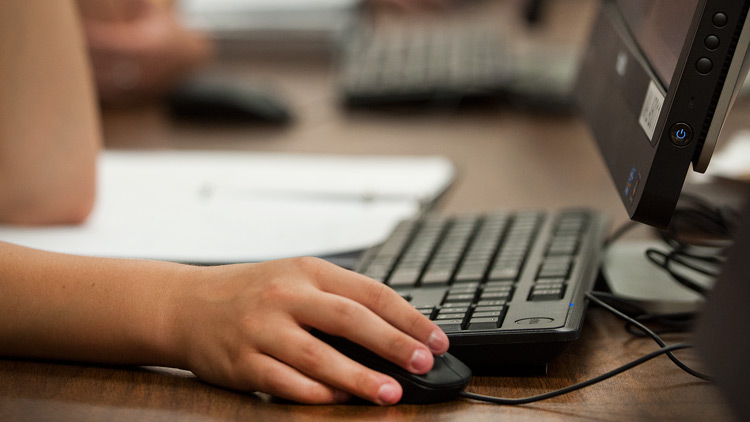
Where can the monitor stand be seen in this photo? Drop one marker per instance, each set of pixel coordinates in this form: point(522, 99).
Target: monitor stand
point(630, 275)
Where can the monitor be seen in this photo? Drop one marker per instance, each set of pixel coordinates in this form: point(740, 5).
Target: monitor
point(655, 85)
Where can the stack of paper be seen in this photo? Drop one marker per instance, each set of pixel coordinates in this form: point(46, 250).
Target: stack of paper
point(321, 20)
point(220, 207)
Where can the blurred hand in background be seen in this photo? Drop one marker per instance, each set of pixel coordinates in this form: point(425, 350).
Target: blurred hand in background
point(138, 48)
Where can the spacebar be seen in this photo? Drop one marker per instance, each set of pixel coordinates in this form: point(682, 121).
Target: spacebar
point(423, 297)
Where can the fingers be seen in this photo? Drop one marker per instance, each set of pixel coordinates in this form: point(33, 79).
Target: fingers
point(318, 360)
point(280, 380)
point(293, 295)
point(346, 318)
point(383, 301)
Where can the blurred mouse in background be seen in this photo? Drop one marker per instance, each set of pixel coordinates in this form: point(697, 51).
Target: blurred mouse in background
point(220, 98)
point(140, 51)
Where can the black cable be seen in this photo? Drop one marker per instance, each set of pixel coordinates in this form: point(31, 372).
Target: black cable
point(578, 386)
point(718, 222)
point(674, 322)
point(592, 296)
point(664, 260)
point(680, 258)
point(695, 213)
point(696, 242)
point(643, 359)
point(670, 323)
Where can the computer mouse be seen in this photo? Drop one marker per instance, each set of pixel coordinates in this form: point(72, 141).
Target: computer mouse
point(224, 99)
point(443, 382)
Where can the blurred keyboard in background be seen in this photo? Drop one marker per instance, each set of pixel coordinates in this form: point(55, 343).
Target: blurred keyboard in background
point(453, 62)
point(417, 63)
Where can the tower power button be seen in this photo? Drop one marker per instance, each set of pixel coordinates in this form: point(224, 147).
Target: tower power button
point(681, 134)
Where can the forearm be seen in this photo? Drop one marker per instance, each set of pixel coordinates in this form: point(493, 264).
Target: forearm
point(240, 326)
point(67, 307)
point(49, 133)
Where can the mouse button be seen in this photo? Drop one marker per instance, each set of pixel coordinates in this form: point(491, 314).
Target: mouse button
point(441, 376)
point(459, 368)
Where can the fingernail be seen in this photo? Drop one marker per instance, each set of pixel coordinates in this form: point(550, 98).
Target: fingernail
point(438, 342)
point(388, 393)
point(420, 361)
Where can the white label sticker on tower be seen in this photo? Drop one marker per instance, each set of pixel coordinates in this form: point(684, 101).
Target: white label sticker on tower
point(651, 109)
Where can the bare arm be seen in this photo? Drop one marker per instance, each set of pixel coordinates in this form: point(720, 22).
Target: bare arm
point(49, 134)
point(238, 326)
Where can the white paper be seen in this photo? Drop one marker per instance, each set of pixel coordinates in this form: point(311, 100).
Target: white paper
point(219, 207)
point(251, 16)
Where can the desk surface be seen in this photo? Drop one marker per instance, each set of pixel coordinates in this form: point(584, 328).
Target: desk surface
point(505, 159)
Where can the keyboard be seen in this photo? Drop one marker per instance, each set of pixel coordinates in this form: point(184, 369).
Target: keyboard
point(420, 63)
point(508, 288)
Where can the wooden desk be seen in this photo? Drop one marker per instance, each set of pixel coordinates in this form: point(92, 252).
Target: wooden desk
point(505, 159)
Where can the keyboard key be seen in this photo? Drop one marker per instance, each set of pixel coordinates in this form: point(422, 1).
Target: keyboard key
point(483, 323)
point(456, 305)
point(504, 273)
point(442, 316)
point(485, 314)
point(497, 284)
point(403, 278)
point(495, 302)
point(427, 311)
point(437, 277)
point(450, 325)
point(559, 269)
point(495, 295)
point(460, 297)
point(543, 294)
point(464, 288)
point(470, 274)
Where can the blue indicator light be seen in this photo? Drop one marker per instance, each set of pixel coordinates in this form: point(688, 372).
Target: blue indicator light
point(681, 134)
point(571, 304)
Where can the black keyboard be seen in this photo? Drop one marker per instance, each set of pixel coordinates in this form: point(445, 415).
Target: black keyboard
point(421, 63)
point(508, 288)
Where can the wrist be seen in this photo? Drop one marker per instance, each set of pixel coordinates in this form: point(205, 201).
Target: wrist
point(172, 331)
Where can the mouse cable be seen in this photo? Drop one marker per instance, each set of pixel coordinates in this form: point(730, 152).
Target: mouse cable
point(578, 386)
point(593, 297)
point(664, 350)
point(679, 322)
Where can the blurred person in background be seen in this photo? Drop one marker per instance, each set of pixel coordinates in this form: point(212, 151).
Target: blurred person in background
point(140, 50)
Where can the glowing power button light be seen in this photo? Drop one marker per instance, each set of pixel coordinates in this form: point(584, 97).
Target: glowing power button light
point(681, 134)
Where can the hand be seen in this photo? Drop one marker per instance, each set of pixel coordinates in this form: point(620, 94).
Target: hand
point(138, 49)
point(246, 327)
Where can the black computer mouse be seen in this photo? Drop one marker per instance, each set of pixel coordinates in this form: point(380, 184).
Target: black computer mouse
point(224, 99)
point(445, 380)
